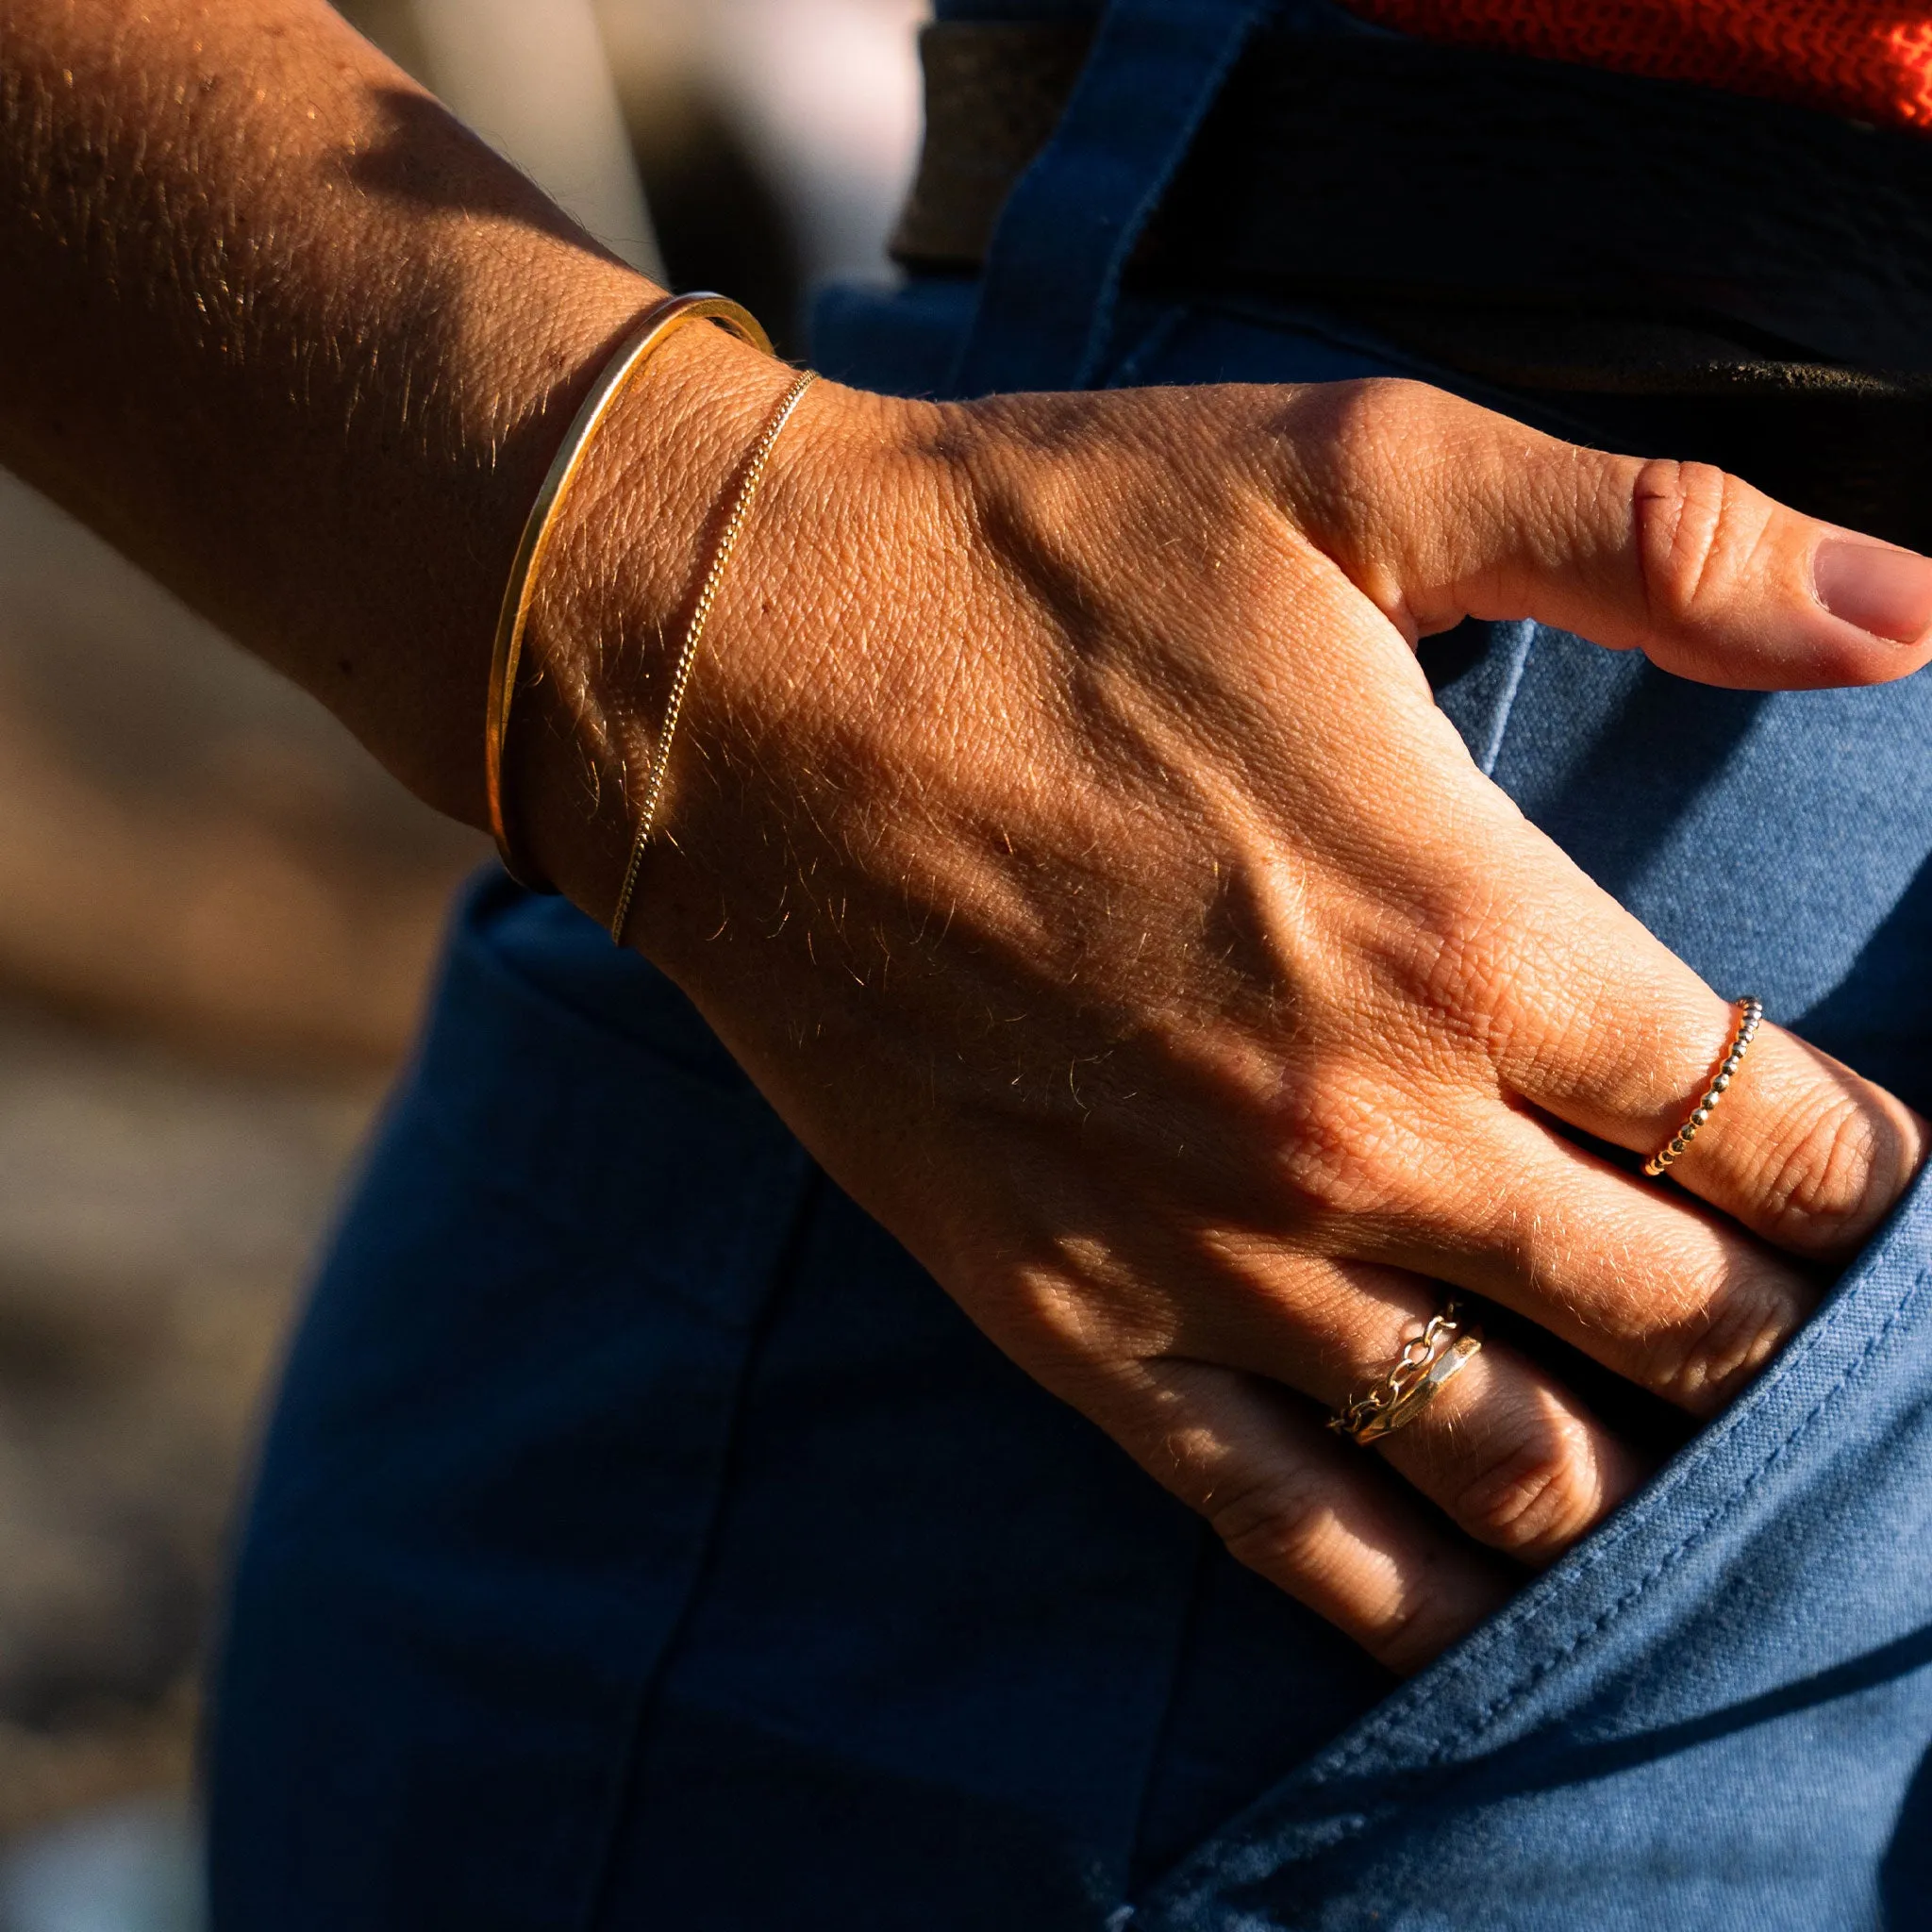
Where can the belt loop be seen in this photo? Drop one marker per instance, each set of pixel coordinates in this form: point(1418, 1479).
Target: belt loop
point(1053, 273)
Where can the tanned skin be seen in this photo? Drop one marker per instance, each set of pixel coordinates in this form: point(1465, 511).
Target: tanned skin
point(1060, 832)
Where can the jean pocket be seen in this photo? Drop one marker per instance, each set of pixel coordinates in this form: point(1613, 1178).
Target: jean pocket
point(503, 1442)
point(1712, 1713)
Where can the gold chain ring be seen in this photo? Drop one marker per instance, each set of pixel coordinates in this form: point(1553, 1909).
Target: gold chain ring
point(1428, 1362)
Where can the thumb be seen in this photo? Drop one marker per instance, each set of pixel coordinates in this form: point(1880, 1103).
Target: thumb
point(1439, 510)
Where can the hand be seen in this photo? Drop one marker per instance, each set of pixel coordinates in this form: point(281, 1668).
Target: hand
point(1066, 841)
point(1064, 836)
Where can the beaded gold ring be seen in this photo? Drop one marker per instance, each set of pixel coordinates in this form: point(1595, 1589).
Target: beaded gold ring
point(1750, 1017)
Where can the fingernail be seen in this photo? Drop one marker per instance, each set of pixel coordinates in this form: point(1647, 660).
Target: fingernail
point(1887, 593)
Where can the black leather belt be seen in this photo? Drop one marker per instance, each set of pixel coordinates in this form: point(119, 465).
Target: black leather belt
point(1659, 266)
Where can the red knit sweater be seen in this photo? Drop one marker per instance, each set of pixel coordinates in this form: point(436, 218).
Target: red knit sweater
point(1870, 59)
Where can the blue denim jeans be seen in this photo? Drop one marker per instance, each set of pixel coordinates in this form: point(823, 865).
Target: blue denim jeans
point(643, 1539)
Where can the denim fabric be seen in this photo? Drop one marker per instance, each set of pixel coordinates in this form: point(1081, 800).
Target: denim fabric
point(1054, 268)
point(643, 1539)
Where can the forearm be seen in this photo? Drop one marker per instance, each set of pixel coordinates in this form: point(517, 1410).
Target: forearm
point(290, 335)
point(1061, 833)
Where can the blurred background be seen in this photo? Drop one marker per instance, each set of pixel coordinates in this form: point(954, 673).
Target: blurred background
point(218, 918)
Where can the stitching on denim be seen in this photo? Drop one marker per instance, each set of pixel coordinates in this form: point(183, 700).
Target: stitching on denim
point(1493, 1711)
point(1520, 1612)
point(1521, 645)
point(780, 1283)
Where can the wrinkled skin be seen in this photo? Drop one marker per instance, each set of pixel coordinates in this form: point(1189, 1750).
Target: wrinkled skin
point(1061, 831)
point(1066, 841)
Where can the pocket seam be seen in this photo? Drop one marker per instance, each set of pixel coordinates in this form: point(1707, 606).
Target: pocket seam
point(1498, 1708)
point(1491, 1713)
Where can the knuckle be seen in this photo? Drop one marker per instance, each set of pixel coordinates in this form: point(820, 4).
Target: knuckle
point(1372, 414)
point(1696, 525)
point(1349, 433)
point(1270, 1522)
point(1837, 1167)
point(1412, 1633)
point(1710, 1355)
point(1276, 1525)
point(1464, 960)
point(1341, 1154)
point(1535, 1492)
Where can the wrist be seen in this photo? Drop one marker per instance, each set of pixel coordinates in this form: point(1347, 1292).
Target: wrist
point(609, 624)
point(611, 601)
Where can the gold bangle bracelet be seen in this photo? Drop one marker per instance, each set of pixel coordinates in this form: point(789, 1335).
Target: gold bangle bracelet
point(507, 651)
point(749, 476)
